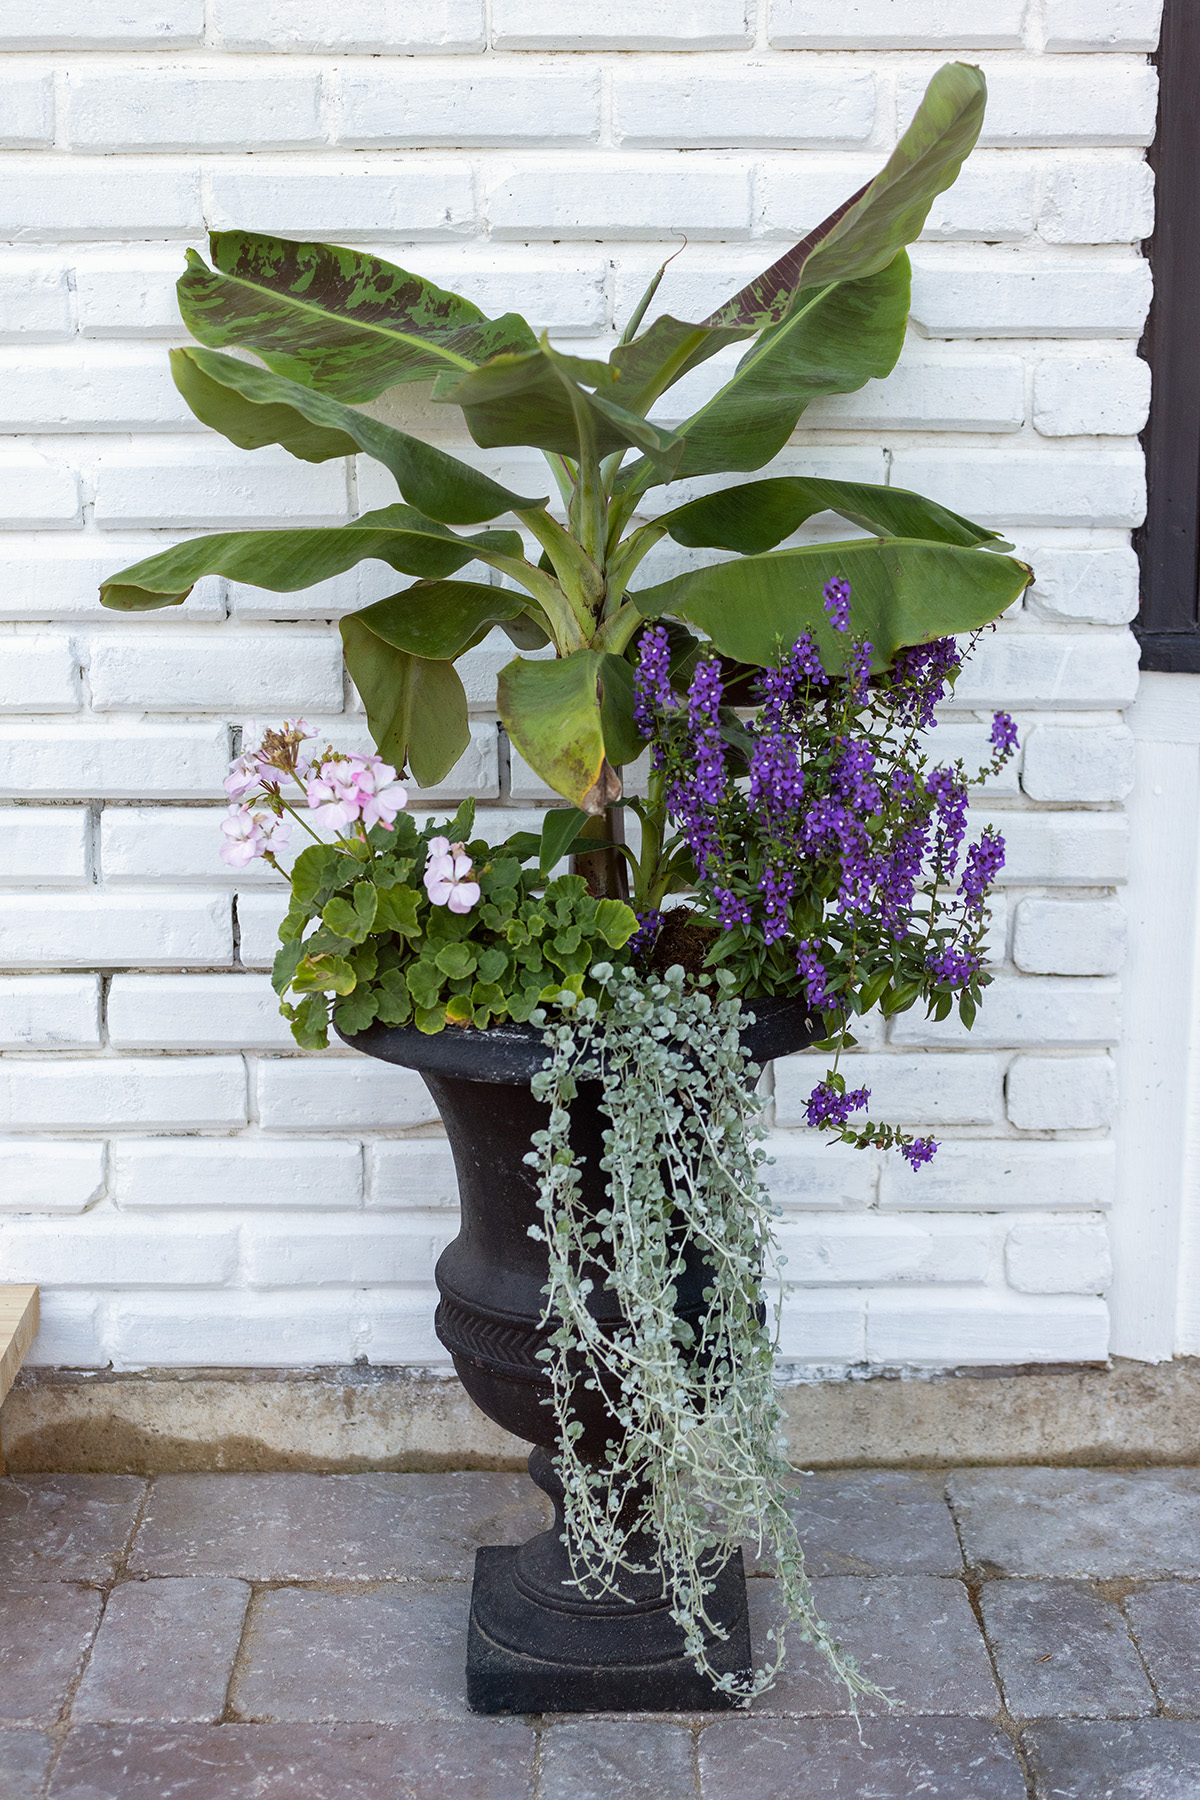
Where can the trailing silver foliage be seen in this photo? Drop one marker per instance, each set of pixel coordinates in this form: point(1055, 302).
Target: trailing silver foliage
point(699, 1468)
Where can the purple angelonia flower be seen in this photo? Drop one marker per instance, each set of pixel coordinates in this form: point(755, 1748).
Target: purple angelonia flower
point(778, 888)
point(731, 908)
point(1004, 733)
point(983, 863)
point(920, 676)
point(837, 603)
point(827, 1107)
point(649, 925)
point(953, 967)
point(810, 967)
point(921, 1150)
point(651, 680)
point(950, 792)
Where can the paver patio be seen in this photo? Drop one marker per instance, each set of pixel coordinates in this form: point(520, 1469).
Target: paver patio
point(301, 1637)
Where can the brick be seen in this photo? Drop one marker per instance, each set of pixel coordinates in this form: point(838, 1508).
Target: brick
point(54, 1176)
point(280, 671)
point(807, 1172)
point(942, 1331)
point(395, 1325)
point(428, 1758)
point(1061, 1093)
point(49, 1012)
point(810, 1759)
point(345, 1252)
point(396, 27)
point(621, 25)
point(953, 738)
point(230, 1329)
point(1090, 587)
point(1071, 103)
point(110, 24)
point(27, 110)
point(259, 917)
point(113, 762)
point(562, 293)
point(926, 1090)
point(345, 198)
point(67, 1527)
point(1080, 1524)
point(128, 296)
point(477, 773)
point(25, 1758)
point(1061, 1649)
point(96, 930)
point(69, 1334)
point(108, 388)
point(1058, 1257)
point(863, 1251)
point(916, 1632)
point(1092, 763)
point(164, 1651)
point(43, 844)
point(36, 493)
point(1005, 294)
point(413, 1529)
point(1070, 1760)
point(1025, 1009)
point(1097, 197)
point(330, 599)
point(35, 300)
point(1069, 937)
point(184, 109)
point(1059, 849)
point(194, 1012)
point(343, 1093)
point(1063, 488)
point(165, 1173)
point(1119, 25)
point(874, 1522)
point(896, 24)
point(101, 1250)
point(45, 201)
point(822, 1328)
point(698, 107)
point(157, 845)
point(58, 581)
point(590, 1759)
point(416, 1172)
point(974, 393)
point(984, 1176)
point(1091, 396)
point(217, 487)
point(45, 1631)
point(383, 108)
point(633, 200)
point(38, 675)
point(178, 1092)
point(1163, 1620)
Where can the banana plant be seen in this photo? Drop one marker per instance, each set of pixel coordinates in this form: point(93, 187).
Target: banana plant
point(333, 329)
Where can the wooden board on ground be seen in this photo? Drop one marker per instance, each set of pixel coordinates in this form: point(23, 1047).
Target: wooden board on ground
point(18, 1328)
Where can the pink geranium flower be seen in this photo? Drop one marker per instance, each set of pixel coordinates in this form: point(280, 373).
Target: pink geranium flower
point(449, 876)
point(252, 834)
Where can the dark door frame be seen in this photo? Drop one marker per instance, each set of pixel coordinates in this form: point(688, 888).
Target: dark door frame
point(1168, 625)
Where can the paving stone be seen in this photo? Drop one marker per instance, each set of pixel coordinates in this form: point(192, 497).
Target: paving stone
point(479, 1759)
point(1063, 1652)
point(618, 1759)
point(874, 1522)
point(332, 1527)
point(44, 1634)
point(1166, 1623)
point(1101, 1523)
point(383, 1654)
point(826, 1759)
point(164, 1652)
point(914, 1635)
point(66, 1527)
point(1148, 1759)
point(24, 1759)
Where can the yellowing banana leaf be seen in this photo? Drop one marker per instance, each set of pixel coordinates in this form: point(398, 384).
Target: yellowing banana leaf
point(252, 407)
point(554, 714)
point(903, 592)
point(335, 319)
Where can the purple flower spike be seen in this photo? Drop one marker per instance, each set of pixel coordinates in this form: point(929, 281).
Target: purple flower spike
point(921, 1150)
point(651, 680)
point(1004, 733)
point(812, 969)
point(827, 1107)
point(956, 968)
point(837, 603)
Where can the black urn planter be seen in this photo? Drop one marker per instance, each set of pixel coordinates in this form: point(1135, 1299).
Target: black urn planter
point(536, 1642)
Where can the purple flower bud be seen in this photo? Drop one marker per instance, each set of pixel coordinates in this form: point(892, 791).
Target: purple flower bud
point(827, 1107)
point(1004, 733)
point(921, 1150)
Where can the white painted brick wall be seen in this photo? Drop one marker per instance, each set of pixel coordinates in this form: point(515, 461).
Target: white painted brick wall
point(226, 1199)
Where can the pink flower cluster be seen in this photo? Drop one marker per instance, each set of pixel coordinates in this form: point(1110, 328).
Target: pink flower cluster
point(450, 876)
point(340, 791)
